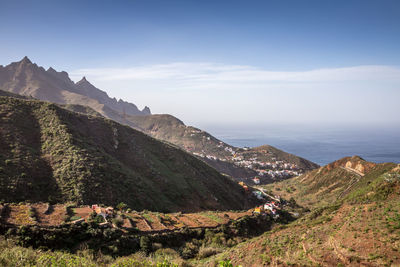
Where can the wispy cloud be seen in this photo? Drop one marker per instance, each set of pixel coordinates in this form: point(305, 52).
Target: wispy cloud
point(196, 75)
point(220, 92)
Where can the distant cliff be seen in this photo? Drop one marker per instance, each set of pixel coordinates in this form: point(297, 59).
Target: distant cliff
point(28, 79)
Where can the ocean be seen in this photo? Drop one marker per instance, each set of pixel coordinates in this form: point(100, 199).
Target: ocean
point(321, 145)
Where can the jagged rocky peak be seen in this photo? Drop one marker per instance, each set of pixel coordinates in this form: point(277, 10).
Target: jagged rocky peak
point(146, 111)
point(23, 64)
point(30, 79)
point(85, 86)
point(60, 73)
point(83, 80)
point(26, 60)
point(51, 70)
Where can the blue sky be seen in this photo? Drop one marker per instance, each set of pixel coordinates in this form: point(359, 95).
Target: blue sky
point(222, 61)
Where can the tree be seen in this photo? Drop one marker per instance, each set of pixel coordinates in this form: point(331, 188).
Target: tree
point(121, 206)
point(292, 202)
point(145, 244)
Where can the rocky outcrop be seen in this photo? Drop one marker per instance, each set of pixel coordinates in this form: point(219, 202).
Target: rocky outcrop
point(28, 79)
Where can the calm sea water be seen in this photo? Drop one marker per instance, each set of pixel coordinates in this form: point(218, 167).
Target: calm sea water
point(321, 145)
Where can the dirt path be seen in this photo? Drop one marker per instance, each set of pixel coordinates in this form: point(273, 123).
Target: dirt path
point(345, 258)
point(353, 171)
point(338, 253)
point(311, 258)
point(352, 183)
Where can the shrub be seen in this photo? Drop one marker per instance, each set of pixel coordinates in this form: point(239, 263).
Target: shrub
point(92, 216)
point(74, 218)
point(157, 246)
point(123, 262)
point(292, 202)
point(98, 219)
point(189, 251)
point(64, 259)
point(165, 253)
point(166, 263)
point(32, 214)
point(121, 206)
point(118, 222)
point(205, 252)
point(145, 244)
point(230, 243)
point(225, 263)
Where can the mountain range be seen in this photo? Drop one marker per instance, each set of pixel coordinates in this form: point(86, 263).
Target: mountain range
point(77, 147)
point(29, 79)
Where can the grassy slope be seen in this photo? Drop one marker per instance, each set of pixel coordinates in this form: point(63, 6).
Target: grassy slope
point(361, 228)
point(5, 93)
point(326, 184)
point(171, 129)
point(282, 155)
point(50, 154)
point(82, 109)
point(13, 255)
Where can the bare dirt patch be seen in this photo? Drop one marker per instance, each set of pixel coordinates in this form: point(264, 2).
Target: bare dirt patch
point(82, 212)
point(55, 215)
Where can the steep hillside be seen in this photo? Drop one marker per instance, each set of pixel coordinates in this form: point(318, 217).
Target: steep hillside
point(360, 229)
point(328, 183)
point(267, 153)
point(82, 109)
point(28, 79)
point(268, 162)
point(5, 93)
point(50, 154)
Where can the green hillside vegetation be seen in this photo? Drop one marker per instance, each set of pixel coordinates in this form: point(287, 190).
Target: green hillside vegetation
point(9, 94)
point(13, 255)
point(82, 109)
point(170, 129)
point(48, 153)
point(326, 184)
point(72, 107)
point(274, 152)
point(360, 229)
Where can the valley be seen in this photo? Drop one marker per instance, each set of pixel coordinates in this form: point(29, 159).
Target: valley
point(267, 163)
point(85, 178)
point(350, 219)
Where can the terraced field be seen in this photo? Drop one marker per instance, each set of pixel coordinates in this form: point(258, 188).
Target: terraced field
point(43, 214)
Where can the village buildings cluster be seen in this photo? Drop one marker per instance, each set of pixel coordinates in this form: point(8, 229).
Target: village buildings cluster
point(275, 169)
